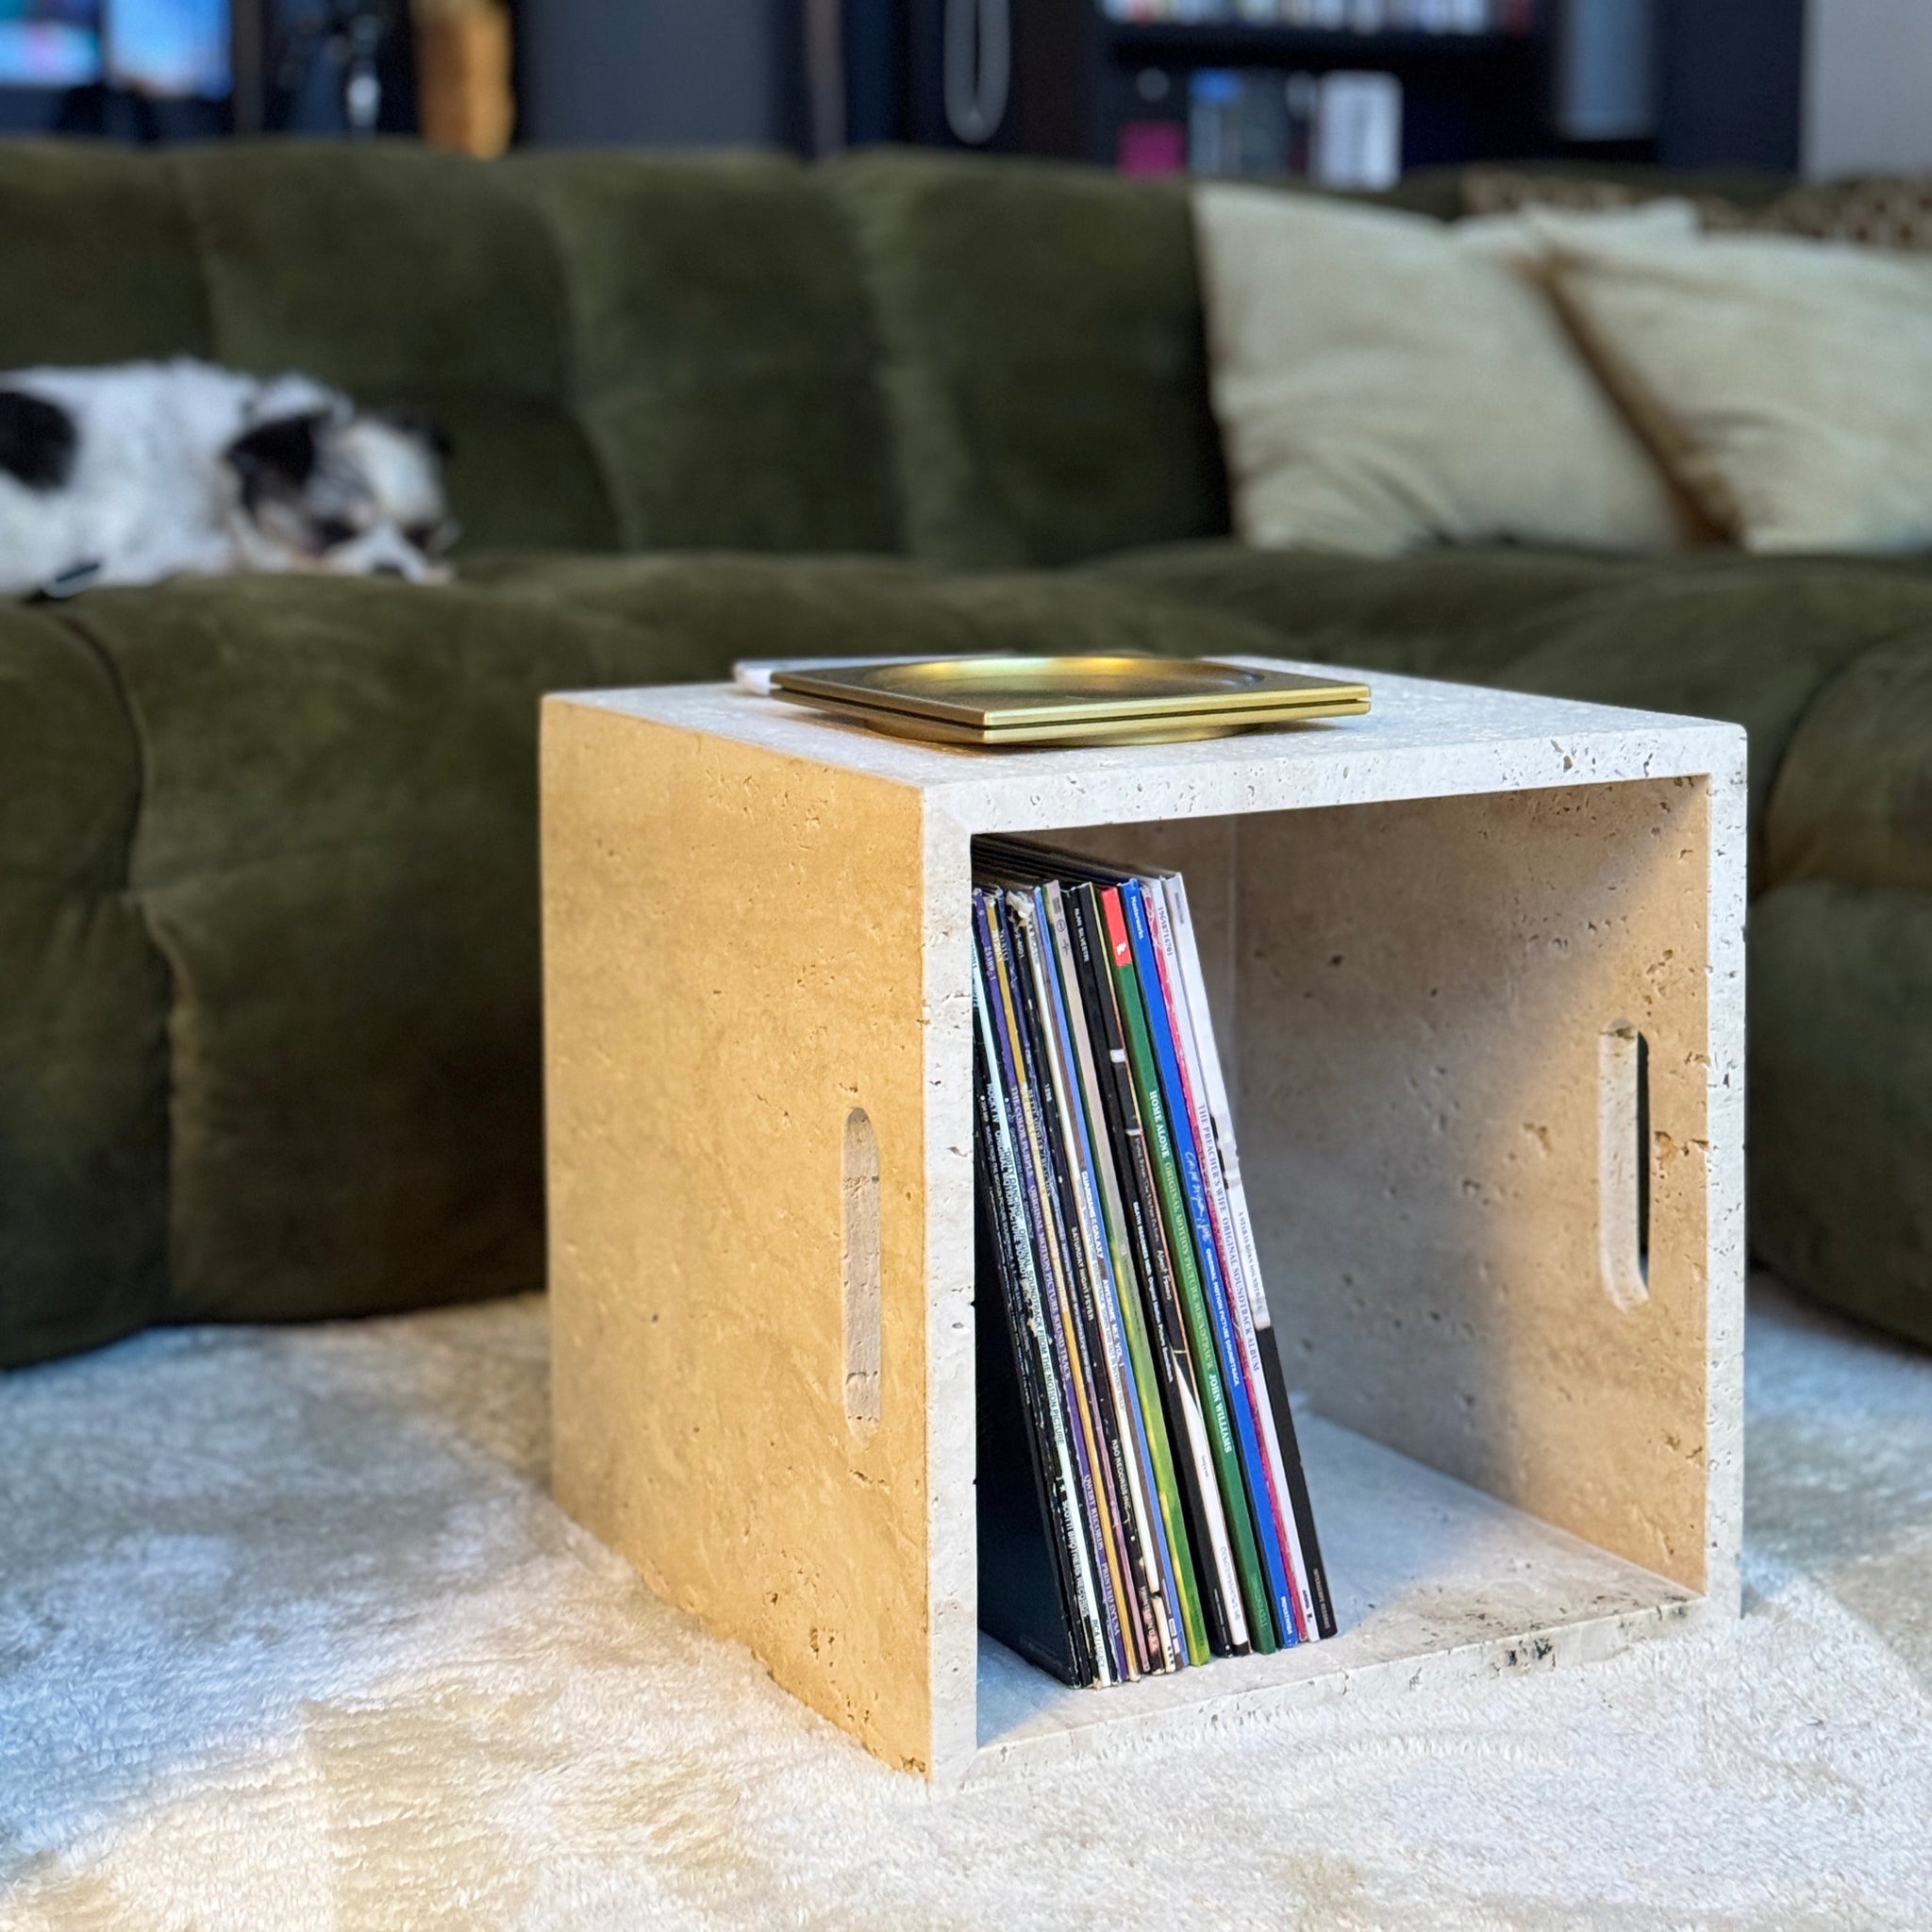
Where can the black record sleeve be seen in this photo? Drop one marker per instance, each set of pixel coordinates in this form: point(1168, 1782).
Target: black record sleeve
point(1297, 1479)
point(1026, 1596)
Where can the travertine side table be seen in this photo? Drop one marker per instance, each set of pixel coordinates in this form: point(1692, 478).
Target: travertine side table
point(1478, 964)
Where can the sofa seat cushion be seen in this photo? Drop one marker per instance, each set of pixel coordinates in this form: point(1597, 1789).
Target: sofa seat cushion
point(83, 1009)
point(1853, 796)
point(333, 868)
point(1840, 1057)
point(1711, 633)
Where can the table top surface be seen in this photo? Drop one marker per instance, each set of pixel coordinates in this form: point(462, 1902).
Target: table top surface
point(1423, 738)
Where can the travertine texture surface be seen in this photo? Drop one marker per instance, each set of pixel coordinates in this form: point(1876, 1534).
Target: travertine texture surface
point(1434, 1582)
point(733, 965)
point(1503, 878)
point(1425, 992)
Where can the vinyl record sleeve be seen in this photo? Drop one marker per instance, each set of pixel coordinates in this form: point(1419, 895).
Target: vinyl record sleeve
point(1025, 1594)
point(1125, 1446)
point(1229, 1197)
point(1057, 1320)
point(1137, 1381)
point(1113, 1428)
point(1268, 1486)
point(1233, 1226)
point(1297, 1483)
point(1216, 1569)
point(1031, 1340)
point(1141, 1269)
point(1078, 1348)
point(1131, 1333)
point(1251, 1524)
point(1246, 1584)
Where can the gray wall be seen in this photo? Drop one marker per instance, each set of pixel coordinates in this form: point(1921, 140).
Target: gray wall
point(1868, 86)
point(657, 73)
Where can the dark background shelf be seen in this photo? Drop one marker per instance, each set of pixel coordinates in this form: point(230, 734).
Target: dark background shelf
point(1725, 77)
point(1466, 96)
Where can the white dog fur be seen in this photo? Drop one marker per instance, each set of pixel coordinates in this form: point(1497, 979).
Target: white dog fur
point(171, 469)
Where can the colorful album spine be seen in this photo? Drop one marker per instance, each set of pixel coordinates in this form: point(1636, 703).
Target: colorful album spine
point(1159, 998)
point(1083, 1345)
point(1310, 1575)
point(1200, 1553)
point(1188, 1011)
point(1022, 1095)
point(1152, 1572)
point(1138, 1002)
point(1113, 1411)
point(1127, 1334)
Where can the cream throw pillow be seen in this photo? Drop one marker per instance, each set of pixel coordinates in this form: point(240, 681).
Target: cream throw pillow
point(1384, 381)
point(1787, 383)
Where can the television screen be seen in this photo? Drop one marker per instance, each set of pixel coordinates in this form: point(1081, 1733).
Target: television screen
point(50, 42)
point(166, 49)
point(174, 48)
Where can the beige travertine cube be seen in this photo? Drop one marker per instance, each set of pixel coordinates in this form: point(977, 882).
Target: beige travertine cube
point(1435, 936)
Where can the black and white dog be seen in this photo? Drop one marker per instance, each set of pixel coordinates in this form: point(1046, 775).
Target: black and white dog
point(153, 470)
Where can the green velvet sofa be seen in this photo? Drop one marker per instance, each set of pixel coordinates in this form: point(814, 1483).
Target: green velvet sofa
point(269, 981)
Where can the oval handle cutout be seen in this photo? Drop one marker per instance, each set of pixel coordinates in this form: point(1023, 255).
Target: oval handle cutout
point(1624, 1164)
point(858, 1264)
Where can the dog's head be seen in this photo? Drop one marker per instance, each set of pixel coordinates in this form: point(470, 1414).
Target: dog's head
point(329, 489)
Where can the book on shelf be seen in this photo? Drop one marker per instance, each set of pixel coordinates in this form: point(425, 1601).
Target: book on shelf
point(1342, 130)
point(1142, 1503)
point(1333, 16)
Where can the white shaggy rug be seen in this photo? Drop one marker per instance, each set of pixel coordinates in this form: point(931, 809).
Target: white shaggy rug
point(291, 1636)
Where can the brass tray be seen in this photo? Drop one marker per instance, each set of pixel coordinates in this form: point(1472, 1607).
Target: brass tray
point(1084, 700)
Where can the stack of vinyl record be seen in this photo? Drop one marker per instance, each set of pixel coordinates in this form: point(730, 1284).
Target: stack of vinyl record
point(1141, 1502)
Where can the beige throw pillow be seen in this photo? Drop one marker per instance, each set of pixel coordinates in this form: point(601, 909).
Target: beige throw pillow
point(1788, 383)
point(1384, 381)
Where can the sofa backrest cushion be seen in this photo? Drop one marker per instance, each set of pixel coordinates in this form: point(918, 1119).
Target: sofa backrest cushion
point(98, 257)
point(407, 275)
point(627, 351)
point(723, 350)
point(1044, 364)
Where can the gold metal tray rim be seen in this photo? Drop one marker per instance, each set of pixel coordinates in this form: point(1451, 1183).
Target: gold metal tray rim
point(1163, 727)
point(1271, 691)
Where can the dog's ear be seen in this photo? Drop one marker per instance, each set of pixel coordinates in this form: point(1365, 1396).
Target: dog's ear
point(282, 452)
point(38, 439)
point(419, 424)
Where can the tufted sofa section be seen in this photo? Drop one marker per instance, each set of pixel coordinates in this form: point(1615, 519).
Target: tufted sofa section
point(269, 986)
